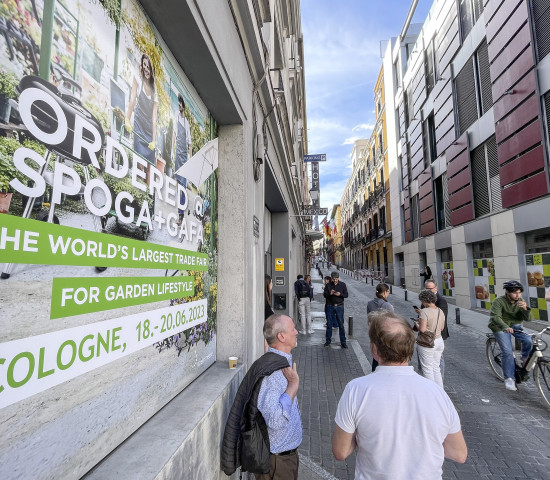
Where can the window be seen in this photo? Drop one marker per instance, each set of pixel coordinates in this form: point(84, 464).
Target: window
point(429, 67)
point(441, 194)
point(486, 179)
point(473, 95)
point(429, 143)
point(541, 21)
point(415, 214)
point(482, 249)
point(470, 11)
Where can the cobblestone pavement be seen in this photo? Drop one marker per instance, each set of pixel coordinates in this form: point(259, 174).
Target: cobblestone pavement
point(508, 433)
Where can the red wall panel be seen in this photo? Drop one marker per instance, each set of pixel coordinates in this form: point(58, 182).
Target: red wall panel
point(517, 119)
point(510, 77)
point(461, 161)
point(522, 90)
point(462, 197)
point(506, 57)
point(520, 142)
point(460, 180)
point(462, 215)
point(529, 189)
point(522, 166)
point(509, 29)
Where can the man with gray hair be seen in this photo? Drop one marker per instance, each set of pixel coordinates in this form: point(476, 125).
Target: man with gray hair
point(394, 413)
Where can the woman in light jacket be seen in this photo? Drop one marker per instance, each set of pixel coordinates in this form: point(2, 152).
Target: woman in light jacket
point(432, 319)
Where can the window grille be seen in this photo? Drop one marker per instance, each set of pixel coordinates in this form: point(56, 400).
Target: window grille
point(484, 77)
point(541, 21)
point(480, 182)
point(466, 100)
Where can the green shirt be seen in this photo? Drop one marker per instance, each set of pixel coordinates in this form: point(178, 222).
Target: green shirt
point(505, 314)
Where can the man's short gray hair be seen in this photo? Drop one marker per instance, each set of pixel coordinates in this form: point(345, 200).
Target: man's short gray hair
point(430, 281)
point(272, 327)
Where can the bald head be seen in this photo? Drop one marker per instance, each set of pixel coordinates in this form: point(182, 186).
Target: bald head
point(392, 335)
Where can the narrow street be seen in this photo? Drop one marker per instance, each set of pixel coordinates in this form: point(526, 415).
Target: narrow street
point(508, 433)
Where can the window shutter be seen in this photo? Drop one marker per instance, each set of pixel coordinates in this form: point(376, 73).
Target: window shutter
point(547, 110)
point(429, 68)
point(466, 101)
point(541, 19)
point(479, 180)
point(414, 215)
point(494, 177)
point(484, 77)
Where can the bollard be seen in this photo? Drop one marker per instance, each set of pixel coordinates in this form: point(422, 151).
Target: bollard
point(372, 282)
point(457, 314)
point(406, 295)
point(350, 326)
point(391, 289)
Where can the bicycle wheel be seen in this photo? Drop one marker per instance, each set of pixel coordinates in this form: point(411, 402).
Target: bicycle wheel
point(542, 378)
point(494, 357)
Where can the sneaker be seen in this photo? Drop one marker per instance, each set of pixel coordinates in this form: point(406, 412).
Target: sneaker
point(510, 384)
point(302, 332)
point(310, 330)
point(344, 345)
point(327, 344)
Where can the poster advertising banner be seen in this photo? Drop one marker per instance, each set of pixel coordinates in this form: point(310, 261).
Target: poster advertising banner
point(447, 279)
point(484, 282)
point(108, 231)
point(538, 281)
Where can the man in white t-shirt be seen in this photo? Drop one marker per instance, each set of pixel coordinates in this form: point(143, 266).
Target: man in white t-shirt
point(402, 425)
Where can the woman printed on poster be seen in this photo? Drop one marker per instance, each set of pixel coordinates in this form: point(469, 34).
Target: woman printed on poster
point(145, 100)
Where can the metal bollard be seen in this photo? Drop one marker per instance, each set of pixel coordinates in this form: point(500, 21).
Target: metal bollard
point(457, 314)
point(350, 326)
point(406, 295)
point(391, 289)
point(372, 282)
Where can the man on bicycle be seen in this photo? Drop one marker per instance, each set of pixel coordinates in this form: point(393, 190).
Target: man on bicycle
point(507, 314)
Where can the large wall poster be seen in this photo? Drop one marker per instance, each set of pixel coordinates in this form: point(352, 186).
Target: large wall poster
point(447, 279)
point(484, 281)
point(108, 246)
point(538, 281)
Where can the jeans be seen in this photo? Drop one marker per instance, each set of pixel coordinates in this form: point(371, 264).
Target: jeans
point(335, 314)
point(430, 359)
point(504, 340)
point(304, 306)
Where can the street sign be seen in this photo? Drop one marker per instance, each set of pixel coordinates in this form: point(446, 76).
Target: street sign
point(279, 264)
point(309, 210)
point(318, 157)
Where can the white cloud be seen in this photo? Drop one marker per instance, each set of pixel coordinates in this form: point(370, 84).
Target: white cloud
point(351, 140)
point(363, 126)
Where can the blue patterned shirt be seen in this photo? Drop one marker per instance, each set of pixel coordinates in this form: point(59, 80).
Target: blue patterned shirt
point(281, 415)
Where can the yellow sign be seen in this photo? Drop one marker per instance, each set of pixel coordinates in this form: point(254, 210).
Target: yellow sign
point(279, 264)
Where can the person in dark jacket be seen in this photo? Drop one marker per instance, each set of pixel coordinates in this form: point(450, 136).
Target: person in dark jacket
point(240, 448)
point(381, 301)
point(335, 293)
point(442, 304)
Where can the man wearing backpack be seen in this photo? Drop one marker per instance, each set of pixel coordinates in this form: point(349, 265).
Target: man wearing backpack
point(381, 301)
point(303, 292)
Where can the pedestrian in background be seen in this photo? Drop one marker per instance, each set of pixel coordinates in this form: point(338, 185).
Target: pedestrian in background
point(267, 290)
point(307, 279)
point(431, 319)
point(381, 301)
point(441, 303)
point(327, 280)
point(402, 425)
point(335, 293)
point(302, 291)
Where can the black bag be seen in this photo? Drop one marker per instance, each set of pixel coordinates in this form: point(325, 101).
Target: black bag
point(303, 289)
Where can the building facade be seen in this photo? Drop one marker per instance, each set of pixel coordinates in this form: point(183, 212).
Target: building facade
point(189, 116)
point(470, 107)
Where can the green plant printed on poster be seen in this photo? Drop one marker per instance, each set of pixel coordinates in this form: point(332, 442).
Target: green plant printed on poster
point(76, 296)
point(29, 241)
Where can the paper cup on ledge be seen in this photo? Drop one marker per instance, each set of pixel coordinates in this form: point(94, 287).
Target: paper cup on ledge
point(232, 362)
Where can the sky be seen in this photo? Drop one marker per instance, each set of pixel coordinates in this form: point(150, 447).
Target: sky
point(342, 61)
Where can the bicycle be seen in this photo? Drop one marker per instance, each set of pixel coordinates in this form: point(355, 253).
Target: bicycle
point(536, 362)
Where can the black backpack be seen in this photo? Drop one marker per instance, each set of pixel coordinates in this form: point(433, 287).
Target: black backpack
point(303, 289)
